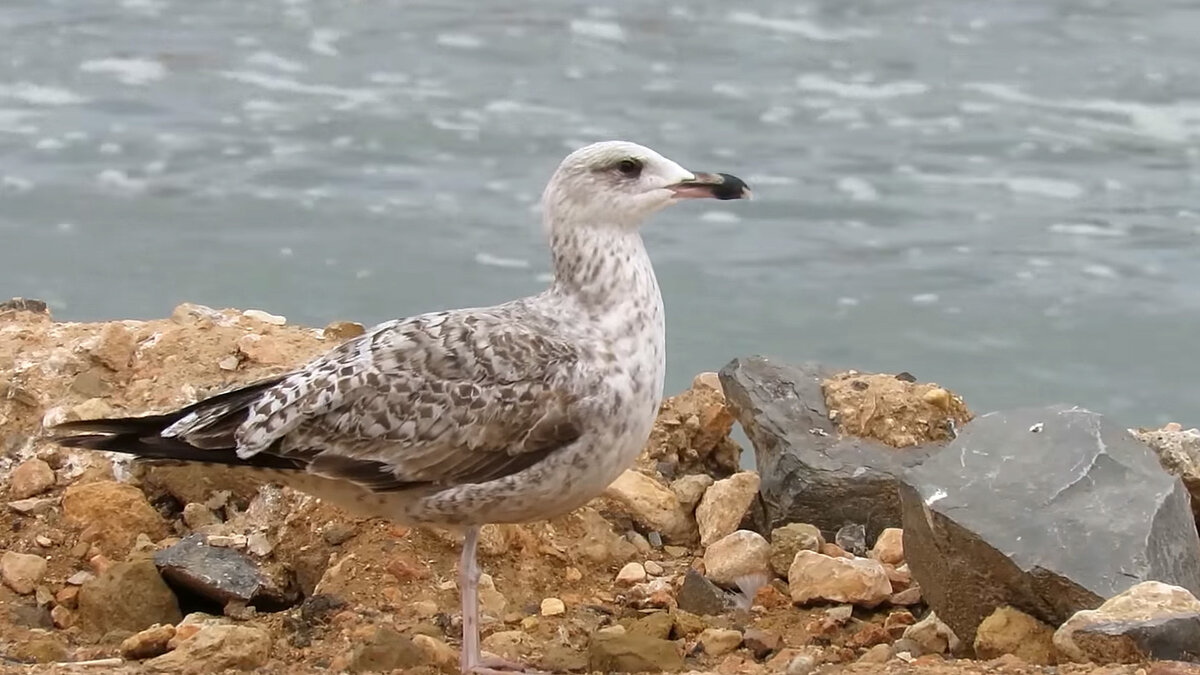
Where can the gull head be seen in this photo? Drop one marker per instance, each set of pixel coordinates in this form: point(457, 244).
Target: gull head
point(617, 183)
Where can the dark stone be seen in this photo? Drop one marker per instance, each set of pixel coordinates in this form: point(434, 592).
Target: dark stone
point(852, 538)
point(1050, 510)
point(24, 305)
point(698, 595)
point(1169, 638)
point(761, 643)
point(222, 575)
point(809, 474)
point(633, 653)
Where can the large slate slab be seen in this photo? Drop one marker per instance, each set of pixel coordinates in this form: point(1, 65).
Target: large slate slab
point(222, 575)
point(809, 475)
point(1050, 510)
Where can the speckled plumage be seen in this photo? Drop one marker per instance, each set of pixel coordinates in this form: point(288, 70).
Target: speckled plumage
point(510, 413)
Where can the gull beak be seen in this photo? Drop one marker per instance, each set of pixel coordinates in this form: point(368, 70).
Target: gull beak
point(711, 185)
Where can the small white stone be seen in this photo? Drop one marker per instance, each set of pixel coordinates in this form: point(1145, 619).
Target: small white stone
point(653, 568)
point(265, 317)
point(229, 362)
point(631, 573)
point(553, 607)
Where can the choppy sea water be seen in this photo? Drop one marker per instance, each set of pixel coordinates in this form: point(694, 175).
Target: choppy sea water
point(999, 197)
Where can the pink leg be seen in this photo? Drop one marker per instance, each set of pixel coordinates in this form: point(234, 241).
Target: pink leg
point(472, 661)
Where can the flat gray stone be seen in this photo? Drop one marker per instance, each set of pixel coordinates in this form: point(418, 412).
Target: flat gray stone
point(222, 575)
point(1050, 510)
point(809, 475)
point(698, 595)
point(1169, 638)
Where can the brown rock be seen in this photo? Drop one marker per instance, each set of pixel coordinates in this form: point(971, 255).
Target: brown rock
point(148, 643)
point(115, 514)
point(897, 622)
point(877, 654)
point(198, 482)
point(1148, 621)
point(437, 653)
point(739, 554)
point(262, 349)
point(633, 653)
point(39, 649)
point(815, 577)
point(889, 547)
point(385, 650)
point(22, 571)
point(724, 505)
point(31, 477)
point(651, 505)
point(1011, 631)
point(114, 346)
point(834, 551)
point(215, 648)
point(907, 597)
point(62, 617)
point(786, 541)
point(761, 643)
point(343, 330)
point(869, 635)
point(895, 411)
point(128, 596)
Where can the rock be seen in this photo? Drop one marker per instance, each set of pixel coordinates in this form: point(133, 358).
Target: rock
point(265, 317)
point(811, 474)
point(852, 538)
point(437, 653)
point(816, 577)
point(719, 641)
point(878, 654)
point(343, 330)
point(1150, 621)
point(690, 489)
point(631, 653)
point(39, 649)
point(801, 664)
point(22, 571)
point(491, 601)
point(93, 409)
point(198, 516)
point(507, 644)
point(724, 505)
point(897, 622)
point(128, 596)
point(932, 635)
point(632, 573)
point(199, 482)
point(222, 575)
point(739, 554)
point(1054, 477)
point(261, 349)
point(112, 515)
point(114, 346)
point(786, 541)
point(691, 436)
point(906, 597)
point(553, 607)
point(215, 648)
point(91, 383)
point(893, 409)
point(31, 477)
point(889, 547)
point(33, 506)
point(1178, 451)
point(1011, 631)
point(653, 568)
point(761, 643)
point(656, 625)
point(652, 506)
point(148, 643)
point(700, 596)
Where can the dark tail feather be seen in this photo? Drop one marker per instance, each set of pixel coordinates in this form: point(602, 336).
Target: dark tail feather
point(142, 436)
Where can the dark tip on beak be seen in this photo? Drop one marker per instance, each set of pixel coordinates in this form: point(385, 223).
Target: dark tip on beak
point(714, 186)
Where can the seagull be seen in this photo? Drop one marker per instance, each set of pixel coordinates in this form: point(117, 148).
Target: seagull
point(519, 412)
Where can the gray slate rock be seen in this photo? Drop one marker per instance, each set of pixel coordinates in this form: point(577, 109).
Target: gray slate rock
point(808, 474)
point(1050, 510)
point(222, 574)
point(1170, 638)
point(698, 595)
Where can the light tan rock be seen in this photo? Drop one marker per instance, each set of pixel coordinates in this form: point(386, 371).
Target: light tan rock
point(215, 648)
point(553, 607)
point(1010, 631)
point(1149, 601)
point(815, 577)
point(507, 644)
point(112, 514)
point(632, 573)
point(739, 554)
point(31, 477)
point(786, 541)
point(148, 643)
point(437, 653)
point(690, 489)
point(724, 505)
point(719, 641)
point(889, 547)
point(22, 571)
point(932, 635)
point(114, 346)
point(651, 505)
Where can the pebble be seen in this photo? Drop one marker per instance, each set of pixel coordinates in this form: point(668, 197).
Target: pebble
point(229, 363)
point(337, 533)
point(653, 568)
point(739, 554)
point(632, 573)
point(93, 409)
point(197, 516)
point(553, 607)
point(31, 477)
point(719, 641)
point(690, 489)
point(265, 317)
point(114, 346)
point(491, 601)
point(932, 635)
point(148, 643)
point(889, 547)
point(786, 541)
point(816, 577)
point(573, 574)
point(22, 571)
point(62, 617)
point(852, 538)
point(507, 644)
point(725, 504)
point(803, 664)
point(261, 349)
point(651, 505)
point(215, 648)
point(879, 654)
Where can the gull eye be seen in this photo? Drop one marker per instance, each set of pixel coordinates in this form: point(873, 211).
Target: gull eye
point(630, 168)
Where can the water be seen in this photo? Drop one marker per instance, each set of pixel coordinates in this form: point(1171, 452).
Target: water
point(998, 197)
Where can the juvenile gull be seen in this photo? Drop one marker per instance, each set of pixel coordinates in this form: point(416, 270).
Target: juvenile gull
point(523, 411)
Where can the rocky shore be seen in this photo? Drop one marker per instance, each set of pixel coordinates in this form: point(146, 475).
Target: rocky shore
point(885, 528)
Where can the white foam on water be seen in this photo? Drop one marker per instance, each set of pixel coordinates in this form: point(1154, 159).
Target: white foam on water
point(13, 122)
point(10, 183)
point(860, 90)
point(118, 181)
point(1088, 230)
point(859, 189)
point(720, 217)
point(38, 94)
point(110, 148)
point(322, 41)
point(801, 27)
point(459, 41)
point(490, 260)
point(925, 299)
point(273, 60)
point(609, 31)
point(1045, 187)
point(768, 179)
point(352, 97)
point(48, 144)
point(133, 72)
point(1101, 271)
point(389, 78)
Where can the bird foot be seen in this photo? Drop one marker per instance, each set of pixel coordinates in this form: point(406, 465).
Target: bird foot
point(492, 665)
